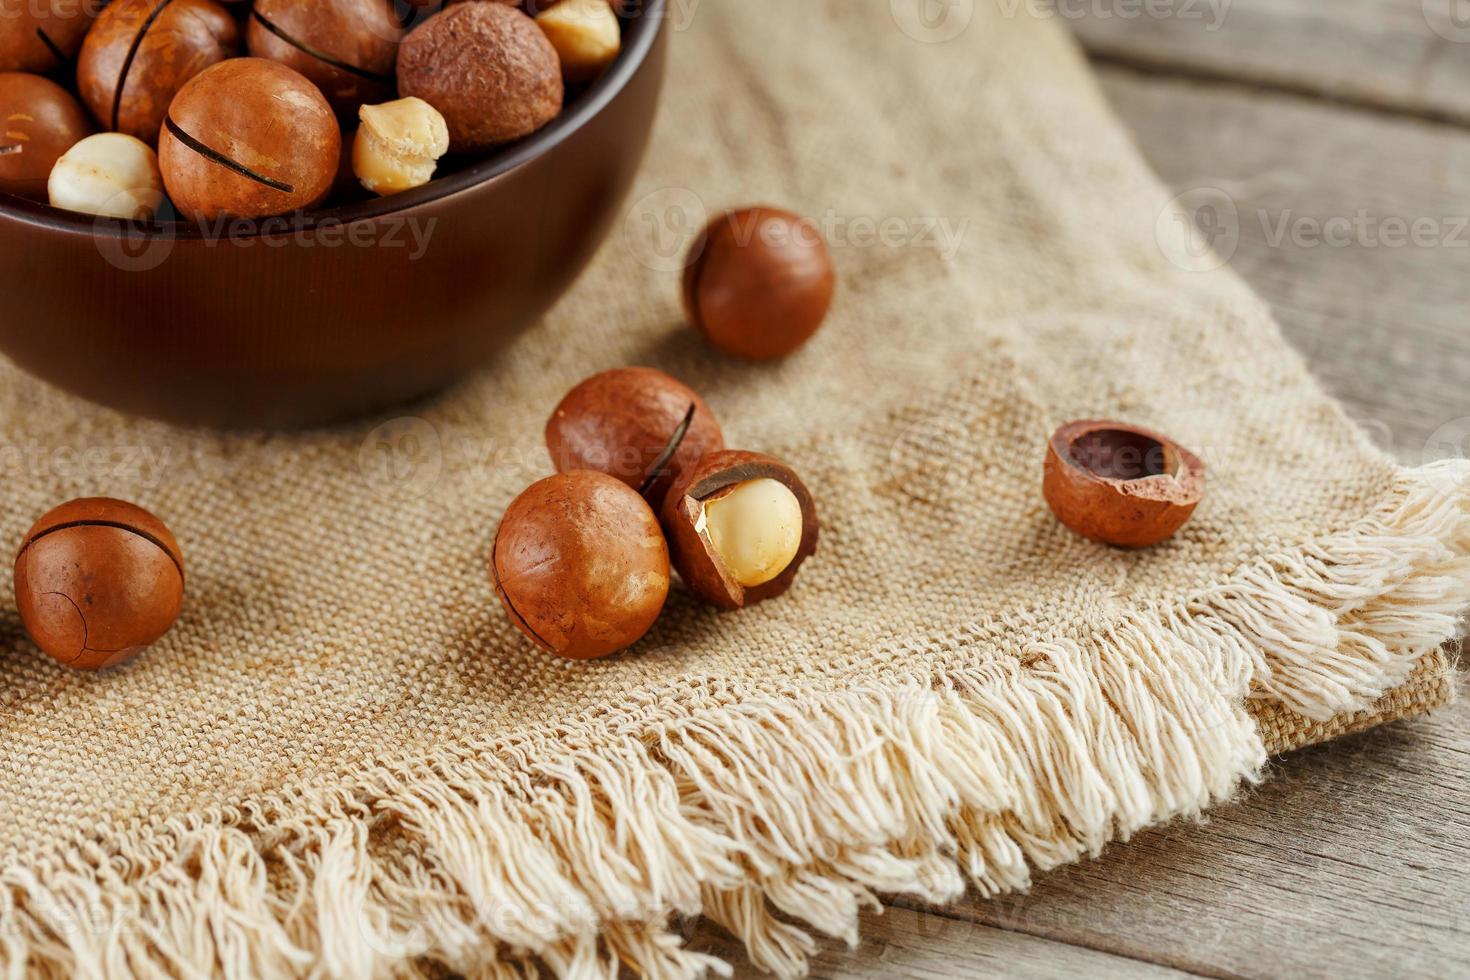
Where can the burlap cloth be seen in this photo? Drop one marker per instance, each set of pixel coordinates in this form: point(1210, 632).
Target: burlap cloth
point(345, 761)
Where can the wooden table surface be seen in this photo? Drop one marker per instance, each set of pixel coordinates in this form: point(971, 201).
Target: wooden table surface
point(1353, 859)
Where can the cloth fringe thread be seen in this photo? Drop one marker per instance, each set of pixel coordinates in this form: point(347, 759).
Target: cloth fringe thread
point(777, 817)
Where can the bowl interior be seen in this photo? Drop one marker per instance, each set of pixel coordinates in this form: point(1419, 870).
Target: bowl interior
point(641, 23)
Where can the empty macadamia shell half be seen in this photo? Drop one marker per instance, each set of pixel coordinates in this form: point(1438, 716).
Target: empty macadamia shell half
point(1120, 484)
point(685, 522)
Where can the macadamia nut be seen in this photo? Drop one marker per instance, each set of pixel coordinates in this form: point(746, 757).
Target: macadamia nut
point(755, 527)
point(97, 581)
point(636, 424)
point(487, 68)
point(580, 565)
point(39, 121)
point(759, 283)
point(740, 525)
point(141, 52)
point(248, 138)
point(586, 36)
point(108, 174)
point(398, 145)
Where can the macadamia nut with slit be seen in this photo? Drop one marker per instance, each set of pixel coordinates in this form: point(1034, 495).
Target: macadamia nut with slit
point(637, 424)
point(98, 580)
point(740, 525)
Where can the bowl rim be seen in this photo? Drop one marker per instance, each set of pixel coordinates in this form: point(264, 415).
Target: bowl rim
point(643, 24)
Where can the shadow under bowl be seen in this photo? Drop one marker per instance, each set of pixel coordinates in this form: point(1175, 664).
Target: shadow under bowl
point(316, 318)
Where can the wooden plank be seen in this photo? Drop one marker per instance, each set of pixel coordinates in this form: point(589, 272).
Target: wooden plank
point(1381, 319)
point(1350, 861)
point(924, 946)
point(1405, 56)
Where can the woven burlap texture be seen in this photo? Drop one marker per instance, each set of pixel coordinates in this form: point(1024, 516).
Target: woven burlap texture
point(344, 760)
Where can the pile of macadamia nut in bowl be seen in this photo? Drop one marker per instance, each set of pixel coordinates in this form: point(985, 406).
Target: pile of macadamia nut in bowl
point(156, 110)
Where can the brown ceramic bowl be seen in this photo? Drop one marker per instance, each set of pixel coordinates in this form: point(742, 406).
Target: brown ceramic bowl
point(335, 313)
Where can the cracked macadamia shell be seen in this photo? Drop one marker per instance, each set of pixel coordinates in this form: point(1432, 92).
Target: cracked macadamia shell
point(630, 423)
point(347, 48)
point(1121, 484)
point(141, 52)
point(97, 581)
point(580, 565)
point(257, 140)
point(488, 68)
point(692, 553)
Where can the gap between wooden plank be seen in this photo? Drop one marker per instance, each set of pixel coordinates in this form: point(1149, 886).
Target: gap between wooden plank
point(1103, 56)
point(1077, 940)
point(921, 943)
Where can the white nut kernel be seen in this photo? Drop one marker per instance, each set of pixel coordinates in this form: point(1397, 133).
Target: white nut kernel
point(398, 145)
point(108, 174)
point(755, 528)
point(585, 34)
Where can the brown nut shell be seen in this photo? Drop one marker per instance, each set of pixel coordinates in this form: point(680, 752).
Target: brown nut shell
point(97, 581)
point(759, 282)
point(347, 48)
point(41, 122)
point(487, 68)
point(693, 556)
point(637, 424)
point(141, 52)
point(43, 35)
point(580, 565)
point(248, 138)
point(1121, 484)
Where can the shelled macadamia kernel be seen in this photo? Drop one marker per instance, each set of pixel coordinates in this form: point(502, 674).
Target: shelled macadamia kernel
point(110, 175)
point(398, 145)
